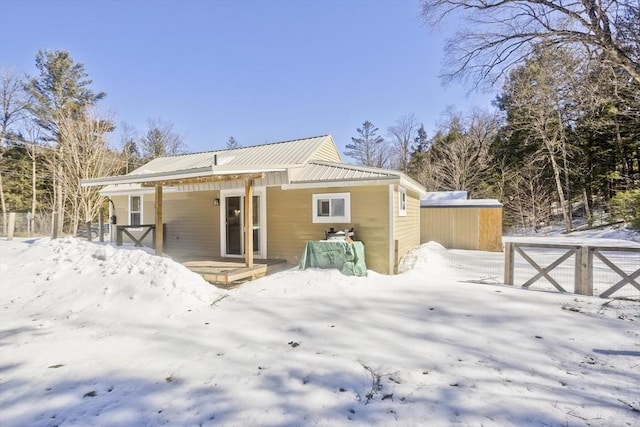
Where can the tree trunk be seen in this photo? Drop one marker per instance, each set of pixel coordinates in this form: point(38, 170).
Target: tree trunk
point(33, 193)
point(564, 205)
point(60, 205)
point(4, 208)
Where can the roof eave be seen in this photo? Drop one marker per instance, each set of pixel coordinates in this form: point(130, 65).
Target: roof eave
point(177, 175)
point(340, 183)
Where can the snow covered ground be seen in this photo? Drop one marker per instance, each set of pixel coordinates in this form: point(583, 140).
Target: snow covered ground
point(93, 335)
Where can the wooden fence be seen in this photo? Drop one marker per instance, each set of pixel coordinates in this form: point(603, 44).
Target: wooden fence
point(583, 265)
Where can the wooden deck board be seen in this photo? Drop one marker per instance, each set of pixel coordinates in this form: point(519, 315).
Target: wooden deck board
point(227, 272)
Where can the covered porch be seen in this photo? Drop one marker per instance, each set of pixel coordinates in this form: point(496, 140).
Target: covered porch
point(222, 271)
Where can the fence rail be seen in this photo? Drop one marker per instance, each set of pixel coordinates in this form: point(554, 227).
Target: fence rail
point(583, 265)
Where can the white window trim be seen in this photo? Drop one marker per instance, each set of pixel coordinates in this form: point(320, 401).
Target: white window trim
point(261, 253)
point(141, 210)
point(402, 202)
point(346, 218)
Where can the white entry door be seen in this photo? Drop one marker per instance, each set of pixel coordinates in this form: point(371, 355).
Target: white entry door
point(232, 227)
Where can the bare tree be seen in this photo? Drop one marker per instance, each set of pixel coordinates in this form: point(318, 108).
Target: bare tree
point(402, 134)
point(538, 97)
point(83, 153)
point(499, 34)
point(462, 164)
point(161, 140)
point(529, 200)
point(460, 156)
point(13, 99)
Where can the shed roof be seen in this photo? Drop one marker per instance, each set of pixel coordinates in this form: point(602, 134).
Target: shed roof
point(461, 203)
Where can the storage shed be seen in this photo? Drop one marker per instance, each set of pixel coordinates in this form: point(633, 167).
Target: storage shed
point(456, 222)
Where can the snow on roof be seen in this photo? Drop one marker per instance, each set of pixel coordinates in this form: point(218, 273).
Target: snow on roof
point(433, 196)
point(459, 203)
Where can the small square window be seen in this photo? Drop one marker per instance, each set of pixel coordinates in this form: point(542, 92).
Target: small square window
point(332, 208)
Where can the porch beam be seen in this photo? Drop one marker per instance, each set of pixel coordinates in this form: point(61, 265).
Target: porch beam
point(248, 222)
point(159, 227)
point(203, 180)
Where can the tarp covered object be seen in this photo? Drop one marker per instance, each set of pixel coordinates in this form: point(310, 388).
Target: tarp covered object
point(348, 257)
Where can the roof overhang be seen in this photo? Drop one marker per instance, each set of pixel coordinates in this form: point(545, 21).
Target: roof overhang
point(181, 177)
point(355, 182)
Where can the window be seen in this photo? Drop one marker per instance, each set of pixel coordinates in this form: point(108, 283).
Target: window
point(332, 207)
point(135, 210)
point(402, 202)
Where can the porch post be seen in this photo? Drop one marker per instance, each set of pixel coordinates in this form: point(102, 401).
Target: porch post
point(159, 229)
point(248, 222)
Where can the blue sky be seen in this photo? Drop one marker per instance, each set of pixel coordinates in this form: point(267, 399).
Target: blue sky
point(262, 71)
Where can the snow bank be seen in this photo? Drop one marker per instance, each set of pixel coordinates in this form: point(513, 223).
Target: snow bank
point(92, 335)
point(431, 256)
point(103, 273)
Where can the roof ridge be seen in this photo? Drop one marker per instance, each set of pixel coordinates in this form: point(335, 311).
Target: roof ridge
point(241, 148)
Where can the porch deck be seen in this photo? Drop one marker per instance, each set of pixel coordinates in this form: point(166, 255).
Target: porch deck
point(229, 273)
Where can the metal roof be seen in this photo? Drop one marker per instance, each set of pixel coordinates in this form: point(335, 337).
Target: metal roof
point(279, 154)
point(322, 172)
point(325, 171)
point(310, 161)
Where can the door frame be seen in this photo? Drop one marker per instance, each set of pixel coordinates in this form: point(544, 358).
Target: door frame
point(261, 252)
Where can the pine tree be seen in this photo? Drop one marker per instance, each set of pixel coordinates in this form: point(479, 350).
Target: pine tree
point(369, 148)
point(61, 88)
point(232, 143)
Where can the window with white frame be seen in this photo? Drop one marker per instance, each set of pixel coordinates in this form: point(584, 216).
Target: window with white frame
point(332, 207)
point(402, 202)
point(135, 210)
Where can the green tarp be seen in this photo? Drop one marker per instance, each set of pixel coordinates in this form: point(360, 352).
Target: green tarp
point(348, 257)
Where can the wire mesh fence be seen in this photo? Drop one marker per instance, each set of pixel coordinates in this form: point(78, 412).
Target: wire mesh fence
point(612, 273)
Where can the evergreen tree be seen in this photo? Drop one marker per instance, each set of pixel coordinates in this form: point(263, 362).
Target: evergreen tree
point(232, 143)
point(160, 140)
point(61, 88)
point(369, 148)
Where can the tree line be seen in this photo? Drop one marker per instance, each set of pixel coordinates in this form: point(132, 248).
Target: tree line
point(564, 135)
point(53, 134)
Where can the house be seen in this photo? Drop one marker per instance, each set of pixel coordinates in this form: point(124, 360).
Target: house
point(295, 190)
point(456, 222)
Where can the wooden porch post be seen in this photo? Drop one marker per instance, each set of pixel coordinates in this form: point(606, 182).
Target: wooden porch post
point(159, 229)
point(248, 222)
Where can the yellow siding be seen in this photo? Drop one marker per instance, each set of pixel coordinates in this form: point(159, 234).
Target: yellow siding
point(192, 222)
point(406, 228)
point(462, 228)
point(436, 225)
point(290, 222)
point(466, 230)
